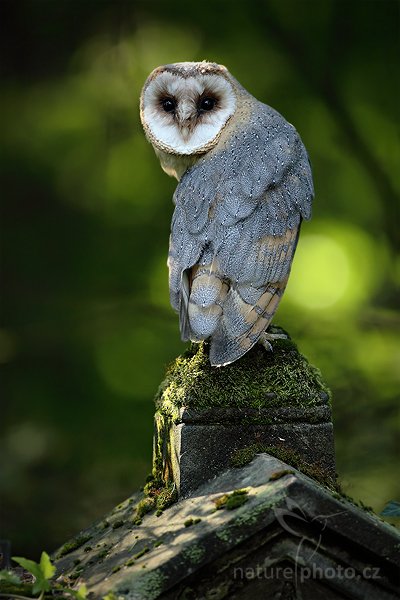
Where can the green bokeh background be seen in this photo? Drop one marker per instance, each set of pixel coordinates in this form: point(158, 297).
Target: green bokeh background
point(86, 325)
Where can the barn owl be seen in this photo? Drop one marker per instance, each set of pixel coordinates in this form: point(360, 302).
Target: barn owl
point(244, 187)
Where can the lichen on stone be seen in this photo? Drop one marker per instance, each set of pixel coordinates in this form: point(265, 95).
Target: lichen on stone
point(146, 585)
point(260, 379)
point(193, 553)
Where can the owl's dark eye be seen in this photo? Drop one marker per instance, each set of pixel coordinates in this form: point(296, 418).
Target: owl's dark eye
point(207, 103)
point(168, 104)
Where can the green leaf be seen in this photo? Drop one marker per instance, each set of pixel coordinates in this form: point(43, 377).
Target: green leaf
point(392, 509)
point(9, 577)
point(29, 565)
point(41, 571)
point(47, 567)
point(41, 585)
point(80, 594)
point(109, 596)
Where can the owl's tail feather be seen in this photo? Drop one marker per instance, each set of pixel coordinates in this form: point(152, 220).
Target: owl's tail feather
point(202, 299)
point(226, 346)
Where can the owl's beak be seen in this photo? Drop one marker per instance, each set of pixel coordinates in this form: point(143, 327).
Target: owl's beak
point(186, 126)
point(186, 119)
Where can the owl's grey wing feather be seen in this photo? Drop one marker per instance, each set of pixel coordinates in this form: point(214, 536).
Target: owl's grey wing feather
point(184, 324)
point(234, 233)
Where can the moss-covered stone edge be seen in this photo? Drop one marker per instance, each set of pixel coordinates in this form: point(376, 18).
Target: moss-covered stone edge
point(245, 455)
point(260, 379)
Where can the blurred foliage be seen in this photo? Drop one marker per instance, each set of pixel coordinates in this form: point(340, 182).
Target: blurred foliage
point(87, 328)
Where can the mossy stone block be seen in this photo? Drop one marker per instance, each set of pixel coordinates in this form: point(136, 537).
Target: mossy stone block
point(206, 415)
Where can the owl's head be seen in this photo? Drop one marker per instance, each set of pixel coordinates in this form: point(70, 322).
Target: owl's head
point(184, 106)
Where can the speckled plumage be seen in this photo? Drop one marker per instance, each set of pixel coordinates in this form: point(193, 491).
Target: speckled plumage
point(238, 209)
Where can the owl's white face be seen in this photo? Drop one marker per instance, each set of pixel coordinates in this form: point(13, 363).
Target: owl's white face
point(184, 107)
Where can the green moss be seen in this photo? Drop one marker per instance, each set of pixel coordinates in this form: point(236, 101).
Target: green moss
point(189, 522)
point(130, 562)
point(234, 531)
point(110, 596)
point(144, 506)
point(102, 554)
point(235, 501)
point(142, 552)
point(160, 488)
point(366, 507)
point(116, 569)
point(159, 496)
point(151, 485)
point(73, 545)
point(77, 573)
point(231, 501)
point(287, 455)
point(245, 455)
point(8, 590)
point(279, 474)
point(166, 496)
point(260, 379)
point(341, 495)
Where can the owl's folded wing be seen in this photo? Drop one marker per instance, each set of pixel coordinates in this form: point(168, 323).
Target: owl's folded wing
point(249, 308)
point(234, 234)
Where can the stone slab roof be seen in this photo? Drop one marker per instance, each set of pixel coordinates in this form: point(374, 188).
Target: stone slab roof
point(251, 532)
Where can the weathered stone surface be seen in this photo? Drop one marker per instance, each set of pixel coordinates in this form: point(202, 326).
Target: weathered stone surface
point(263, 530)
point(205, 415)
point(197, 452)
point(329, 547)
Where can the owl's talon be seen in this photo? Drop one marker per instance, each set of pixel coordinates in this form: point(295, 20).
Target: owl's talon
point(265, 343)
point(266, 336)
point(275, 336)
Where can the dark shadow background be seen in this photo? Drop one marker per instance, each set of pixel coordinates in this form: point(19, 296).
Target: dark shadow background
point(86, 325)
